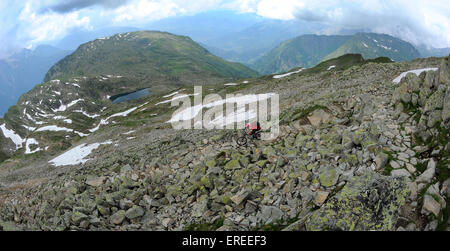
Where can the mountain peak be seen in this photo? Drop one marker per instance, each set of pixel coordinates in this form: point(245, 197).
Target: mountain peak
point(309, 50)
point(150, 53)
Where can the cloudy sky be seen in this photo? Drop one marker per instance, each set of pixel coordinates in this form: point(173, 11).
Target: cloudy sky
point(26, 23)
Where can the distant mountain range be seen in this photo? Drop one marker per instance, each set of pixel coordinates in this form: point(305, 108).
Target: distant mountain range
point(235, 37)
point(426, 51)
point(249, 44)
point(262, 44)
point(372, 45)
point(25, 69)
point(309, 50)
point(305, 51)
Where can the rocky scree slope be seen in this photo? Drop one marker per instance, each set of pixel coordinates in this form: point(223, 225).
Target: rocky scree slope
point(356, 152)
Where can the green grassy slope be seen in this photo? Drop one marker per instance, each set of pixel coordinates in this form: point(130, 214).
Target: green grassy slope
point(147, 53)
point(371, 45)
point(305, 51)
point(309, 50)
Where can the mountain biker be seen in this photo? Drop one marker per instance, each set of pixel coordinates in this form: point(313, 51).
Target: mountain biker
point(254, 127)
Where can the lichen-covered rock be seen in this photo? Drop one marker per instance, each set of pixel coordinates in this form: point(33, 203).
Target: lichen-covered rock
point(435, 101)
point(118, 217)
point(358, 136)
point(446, 107)
point(8, 226)
point(320, 116)
point(444, 70)
point(199, 208)
point(414, 82)
point(270, 214)
point(329, 177)
point(232, 164)
point(368, 202)
point(402, 93)
point(134, 212)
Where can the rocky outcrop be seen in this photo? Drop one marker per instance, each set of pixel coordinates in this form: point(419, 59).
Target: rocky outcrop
point(368, 202)
point(422, 104)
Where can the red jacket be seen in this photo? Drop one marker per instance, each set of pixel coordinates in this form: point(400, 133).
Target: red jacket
point(253, 126)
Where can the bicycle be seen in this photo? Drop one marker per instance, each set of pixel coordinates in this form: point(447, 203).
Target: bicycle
point(243, 140)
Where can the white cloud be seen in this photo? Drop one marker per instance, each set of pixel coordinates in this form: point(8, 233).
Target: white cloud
point(242, 6)
point(412, 20)
point(25, 22)
point(36, 27)
point(148, 10)
point(280, 9)
point(415, 21)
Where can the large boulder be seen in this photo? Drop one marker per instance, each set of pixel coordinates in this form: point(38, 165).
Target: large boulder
point(444, 70)
point(320, 117)
point(436, 100)
point(446, 107)
point(368, 202)
point(431, 80)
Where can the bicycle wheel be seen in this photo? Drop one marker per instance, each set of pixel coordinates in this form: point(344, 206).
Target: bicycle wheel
point(242, 141)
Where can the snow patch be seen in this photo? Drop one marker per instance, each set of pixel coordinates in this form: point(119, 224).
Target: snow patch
point(105, 121)
point(385, 47)
point(287, 74)
point(29, 128)
point(59, 117)
point(170, 95)
point(76, 155)
point(63, 107)
point(16, 139)
point(54, 128)
point(29, 142)
point(175, 98)
point(192, 112)
point(234, 117)
point(331, 67)
point(417, 72)
point(86, 114)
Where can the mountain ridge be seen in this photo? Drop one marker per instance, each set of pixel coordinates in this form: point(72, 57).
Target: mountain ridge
point(180, 55)
point(373, 45)
point(309, 50)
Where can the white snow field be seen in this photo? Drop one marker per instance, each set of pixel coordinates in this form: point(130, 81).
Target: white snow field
point(240, 115)
point(12, 135)
point(120, 114)
point(287, 74)
point(417, 72)
point(76, 155)
point(29, 142)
